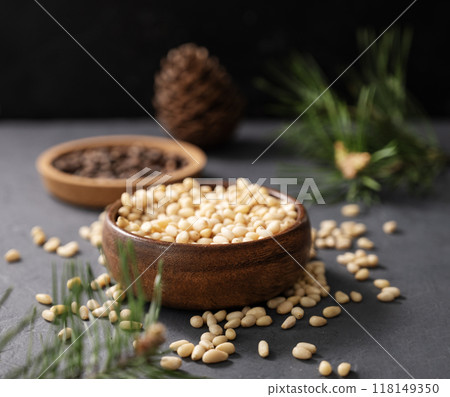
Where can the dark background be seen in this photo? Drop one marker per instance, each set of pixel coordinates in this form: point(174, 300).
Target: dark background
point(44, 74)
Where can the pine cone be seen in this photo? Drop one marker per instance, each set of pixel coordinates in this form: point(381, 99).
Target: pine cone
point(195, 98)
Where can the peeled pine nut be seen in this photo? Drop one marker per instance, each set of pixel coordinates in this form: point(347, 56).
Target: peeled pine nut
point(58, 309)
point(232, 315)
point(100, 312)
point(392, 290)
point(113, 318)
point(75, 281)
point(343, 369)
point(297, 312)
point(101, 281)
point(220, 315)
point(289, 322)
point(257, 312)
point(284, 307)
point(308, 346)
point(216, 329)
point(48, 315)
point(389, 227)
point(263, 348)
point(125, 314)
point(352, 267)
point(294, 299)
point(362, 274)
point(206, 344)
point(185, 350)
point(301, 353)
point(44, 299)
point(356, 296)
point(341, 297)
point(245, 310)
point(175, 345)
point(364, 242)
point(219, 339)
point(384, 296)
point(381, 283)
point(226, 347)
point(207, 336)
point(84, 313)
point(119, 295)
point(233, 323)
point(214, 356)
point(306, 301)
point(52, 244)
point(92, 304)
point(325, 368)
point(130, 325)
point(248, 321)
point(264, 321)
point(198, 352)
point(274, 302)
point(230, 333)
point(85, 232)
point(372, 260)
point(196, 321)
point(350, 210)
point(65, 334)
point(331, 311)
point(211, 320)
point(68, 250)
point(74, 307)
point(170, 363)
point(317, 321)
point(12, 256)
point(315, 297)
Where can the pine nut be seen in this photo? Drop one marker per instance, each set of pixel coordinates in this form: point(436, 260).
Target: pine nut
point(85, 232)
point(331, 311)
point(263, 348)
point(392, 290)
point(196, 321)
point(92, 304)
point(58, 309)
point(119, 295)
point(44, 299)
point(308, 346)
point(226, 347)
point(207, 336)
point(364, 242)
point(68, 250)
point(198, 352)
point(385, 296)
point(100, 312)
point(175, 345)
point(356, 296)
point(341, 297)
point(315, 297)
point(219, 339)
point(216, 329)
point(214, 356)
point(257, 312)
point(74, 306)
point(274, 302)
point(248, 321)
point(75, 281)
point(12, 255)
point(125, 314)
point(48, 315)
point(113, 318)
point(362, 274)
point(185, 350)
point(289, 322)
point(264, 321)
point(65, 334)
point(39, 238)
point(130, 325)
point(206, 344)
point(84, 313)
point(230, 333)
point(350, 210)
point(298, 312)
point(52, 244)
point(294, 299)
point(236, 314)
point(301, 353)
point(170, 363)
point(372, 260)
point(325, 368)
point(233, 323)
point(381, 283)
point(245, 310)
point(306, 301)
point(352, 267)
point(390, 227)
point(317, 321)
point(220, 315)
point(211, 320)
point(343, 369)
point(284, 307)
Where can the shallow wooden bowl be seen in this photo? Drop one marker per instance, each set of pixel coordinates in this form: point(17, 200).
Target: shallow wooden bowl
point(99, 192)
point(199, 276)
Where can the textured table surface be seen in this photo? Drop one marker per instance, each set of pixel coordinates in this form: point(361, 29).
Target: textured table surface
point(410, 335)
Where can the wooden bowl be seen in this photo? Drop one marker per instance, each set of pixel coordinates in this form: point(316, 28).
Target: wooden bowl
point(197, 276)
point(99, 192)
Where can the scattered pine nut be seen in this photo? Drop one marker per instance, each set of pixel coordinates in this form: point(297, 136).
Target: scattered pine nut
point(226, 347)
point(317, 321)
point(274, 302)
point(289, 322)
point(211, 320)
point(206, 344)
point(230, 334)
point(257, 312)
point(341, 297)
point(245, 309)
point(233, 323)
point(308, 346)
point(352, 268)
point(101, 260)
point(74, 306)
point(65, 334)
point(196, 321)
point(362, 274)
point(220, 315)
point(306, 301)
point(263, 348)
point(390, 227)
point(207, 336)
point(343, 369)
point(264, 321)
point(100, 312)
point(381, 283)
point(48, 315)
point(52, 244)
point(325, 368)
point(44, 299)
point(84, 313)
point(284, 307)
point(356, 296)
point(85, 232)
point(92, 304)
point(198, 352)
point(214, 356)
point(232, 315)
point(350, 210)
point(392, 290)
point(219, 340)
point(75, 281)
point(68, 250)
point(216, 329)
point(298, 312)
point(175, 345)
point(331, 311)
point(113, 318)
point(385, 296)
point(365, 243)
point(125, 314)
point(130, 325)
point(12, 255)
point(301, 353)
point(170, 363)
point(58, 309)
point(248, 321)
point(185, 350)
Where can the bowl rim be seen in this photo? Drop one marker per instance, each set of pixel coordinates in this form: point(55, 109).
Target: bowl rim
point(302, 218)
point(44, 162)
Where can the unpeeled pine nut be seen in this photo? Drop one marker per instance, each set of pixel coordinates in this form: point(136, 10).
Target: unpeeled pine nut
point(285, 307)
point(65, 334)
point(341, 297)
point(12, 255)
point(170, 363)
point(248, 321)
point(214, 356)
point(74, 281)
point(44, 299)
point(381, 283)
point(84, 313)
point(196, 321)
point(219, 339)
point(362, 274)
point(350, 210)
point(308, 346)
point(317, 321)
point(263, 348)
point(264, 321)
point(233, 323)
point(48, 315)
point(289, 322)
point(130, 325)
point(230, 333)
point(343, 369)
point(198, 352)
point(356, 296)
point(297, 312)
point(301, 353)
point(331, 311)
point(226, 347)
point(325, 368)
point(185, 350)
point(392, 290)
point(389, 227)
point(52, 244)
